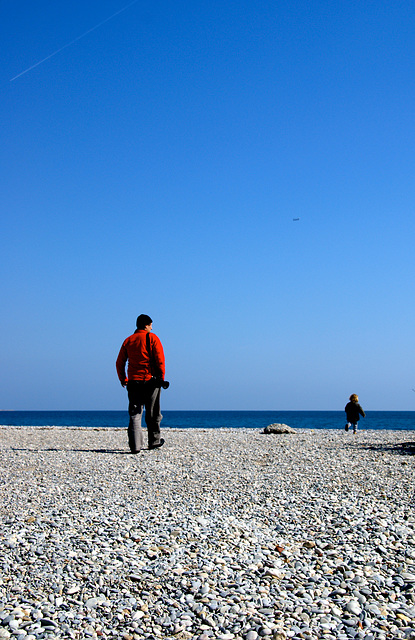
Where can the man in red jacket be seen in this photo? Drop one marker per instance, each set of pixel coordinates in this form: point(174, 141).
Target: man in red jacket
point(144, 353)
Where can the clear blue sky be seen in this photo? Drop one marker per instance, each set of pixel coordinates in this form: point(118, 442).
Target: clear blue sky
point(155, 166)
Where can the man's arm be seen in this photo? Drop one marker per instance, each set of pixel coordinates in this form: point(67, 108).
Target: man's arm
point(120, 365)
point(158, 356)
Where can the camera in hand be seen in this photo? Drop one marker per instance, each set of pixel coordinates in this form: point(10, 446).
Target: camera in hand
point(159, 382)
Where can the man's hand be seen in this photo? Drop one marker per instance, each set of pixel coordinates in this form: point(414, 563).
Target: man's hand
point(124, 384)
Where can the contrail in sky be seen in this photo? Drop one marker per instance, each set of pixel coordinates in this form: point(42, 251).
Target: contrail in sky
point(65, 46)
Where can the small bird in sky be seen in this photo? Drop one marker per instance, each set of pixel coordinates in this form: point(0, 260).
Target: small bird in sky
point(295, 219)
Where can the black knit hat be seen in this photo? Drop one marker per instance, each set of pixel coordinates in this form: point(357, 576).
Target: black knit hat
point(143, 321)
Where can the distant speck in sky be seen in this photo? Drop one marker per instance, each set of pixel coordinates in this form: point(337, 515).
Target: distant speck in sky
point(65, 46)
point(295, 219)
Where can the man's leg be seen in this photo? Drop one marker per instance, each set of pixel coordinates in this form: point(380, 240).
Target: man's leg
point(153, 416)
point(135, 410)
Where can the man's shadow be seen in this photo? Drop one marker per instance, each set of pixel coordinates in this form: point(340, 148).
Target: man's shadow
point(400, 448)
point(117, 451)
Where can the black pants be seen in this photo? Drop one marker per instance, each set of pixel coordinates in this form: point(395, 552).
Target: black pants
point(143, 395)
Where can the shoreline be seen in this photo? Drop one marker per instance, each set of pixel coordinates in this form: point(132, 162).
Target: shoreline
point(222, 534)
point(361, 429)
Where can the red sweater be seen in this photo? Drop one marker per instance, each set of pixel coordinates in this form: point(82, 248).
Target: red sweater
point(135, 351)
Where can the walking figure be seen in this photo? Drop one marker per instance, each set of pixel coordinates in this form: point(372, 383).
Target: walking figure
point(353, 412)
point(145, 376)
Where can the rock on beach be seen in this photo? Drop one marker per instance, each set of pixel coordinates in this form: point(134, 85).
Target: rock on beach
point(220, 535)
point(278, 427)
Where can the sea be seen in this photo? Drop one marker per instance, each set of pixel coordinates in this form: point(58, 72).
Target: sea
point(391, 420)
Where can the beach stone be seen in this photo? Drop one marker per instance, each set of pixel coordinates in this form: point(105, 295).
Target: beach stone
point(278, 428)
point(354, 607)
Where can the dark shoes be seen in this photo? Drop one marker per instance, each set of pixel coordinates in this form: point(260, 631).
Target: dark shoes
point(152, 446)
point(346, 428)
point(158, 445)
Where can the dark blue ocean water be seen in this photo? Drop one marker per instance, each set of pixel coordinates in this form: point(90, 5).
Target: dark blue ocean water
point(213, 419)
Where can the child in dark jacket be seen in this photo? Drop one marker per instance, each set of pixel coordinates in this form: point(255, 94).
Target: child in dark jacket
point(353, 412)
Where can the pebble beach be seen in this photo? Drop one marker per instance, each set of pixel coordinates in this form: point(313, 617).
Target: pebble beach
point(221, 534)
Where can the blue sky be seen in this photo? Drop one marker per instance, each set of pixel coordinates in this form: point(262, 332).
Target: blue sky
point(155, 166)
